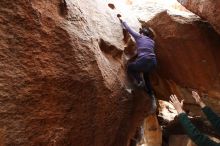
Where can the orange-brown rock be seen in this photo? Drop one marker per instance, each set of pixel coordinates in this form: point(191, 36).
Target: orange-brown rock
point(207, 9)
point(152, 133)
point(62, 72)
point(62, 79)
point(188, 58)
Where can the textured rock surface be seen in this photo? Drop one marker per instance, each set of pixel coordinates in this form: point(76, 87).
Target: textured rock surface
point(187, 52)
point(152, 133)
point(207, 9)
point(147, 9)
point(188, 56)
point(62, 75)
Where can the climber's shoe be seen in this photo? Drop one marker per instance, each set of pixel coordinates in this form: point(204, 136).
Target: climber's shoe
point(141, 84)
point(130, 91)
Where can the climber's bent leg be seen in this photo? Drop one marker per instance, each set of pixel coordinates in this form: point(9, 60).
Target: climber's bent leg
point(142, 64)
point(150, 92)
point(133, 70)
point(150, 65)
point(148, 85)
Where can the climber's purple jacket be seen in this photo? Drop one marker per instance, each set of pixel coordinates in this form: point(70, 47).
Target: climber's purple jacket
point(144, 44)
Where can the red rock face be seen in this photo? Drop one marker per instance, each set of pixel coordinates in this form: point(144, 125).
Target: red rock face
point(62, 75)
point(188, 56)
point(152, 133)
point(207, 9)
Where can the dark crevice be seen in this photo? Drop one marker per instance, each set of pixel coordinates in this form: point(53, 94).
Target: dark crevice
point(129, 49)
point(126, 36)
point(63, 8)
point(108, 48)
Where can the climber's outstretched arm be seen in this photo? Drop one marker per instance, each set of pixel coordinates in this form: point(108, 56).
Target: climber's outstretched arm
point(131, 31)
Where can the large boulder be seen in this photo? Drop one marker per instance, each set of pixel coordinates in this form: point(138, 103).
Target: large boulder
point(188, 58)
point(207, 9)
point(62, 75)
point(63, 79)
point(147, 9)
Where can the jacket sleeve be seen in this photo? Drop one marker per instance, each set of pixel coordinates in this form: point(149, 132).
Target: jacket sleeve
point(196, 136)
point(212, 117)
point(131, 31)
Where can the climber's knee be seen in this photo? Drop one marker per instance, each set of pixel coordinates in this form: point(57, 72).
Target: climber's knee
point(131, 67)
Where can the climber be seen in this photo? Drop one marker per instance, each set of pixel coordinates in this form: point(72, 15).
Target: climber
point(146, 59)
point(196, 136)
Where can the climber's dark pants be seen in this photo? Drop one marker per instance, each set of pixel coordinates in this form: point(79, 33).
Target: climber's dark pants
point(142, 65)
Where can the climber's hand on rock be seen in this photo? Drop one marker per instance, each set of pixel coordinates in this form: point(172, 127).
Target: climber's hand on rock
point(177, 104)
point(197, 98)
point(119, 17)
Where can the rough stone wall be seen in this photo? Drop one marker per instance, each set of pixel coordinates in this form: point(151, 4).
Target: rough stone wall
point(207, 9)
point(62, 79)
point(62, 74)
point(188, 56)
